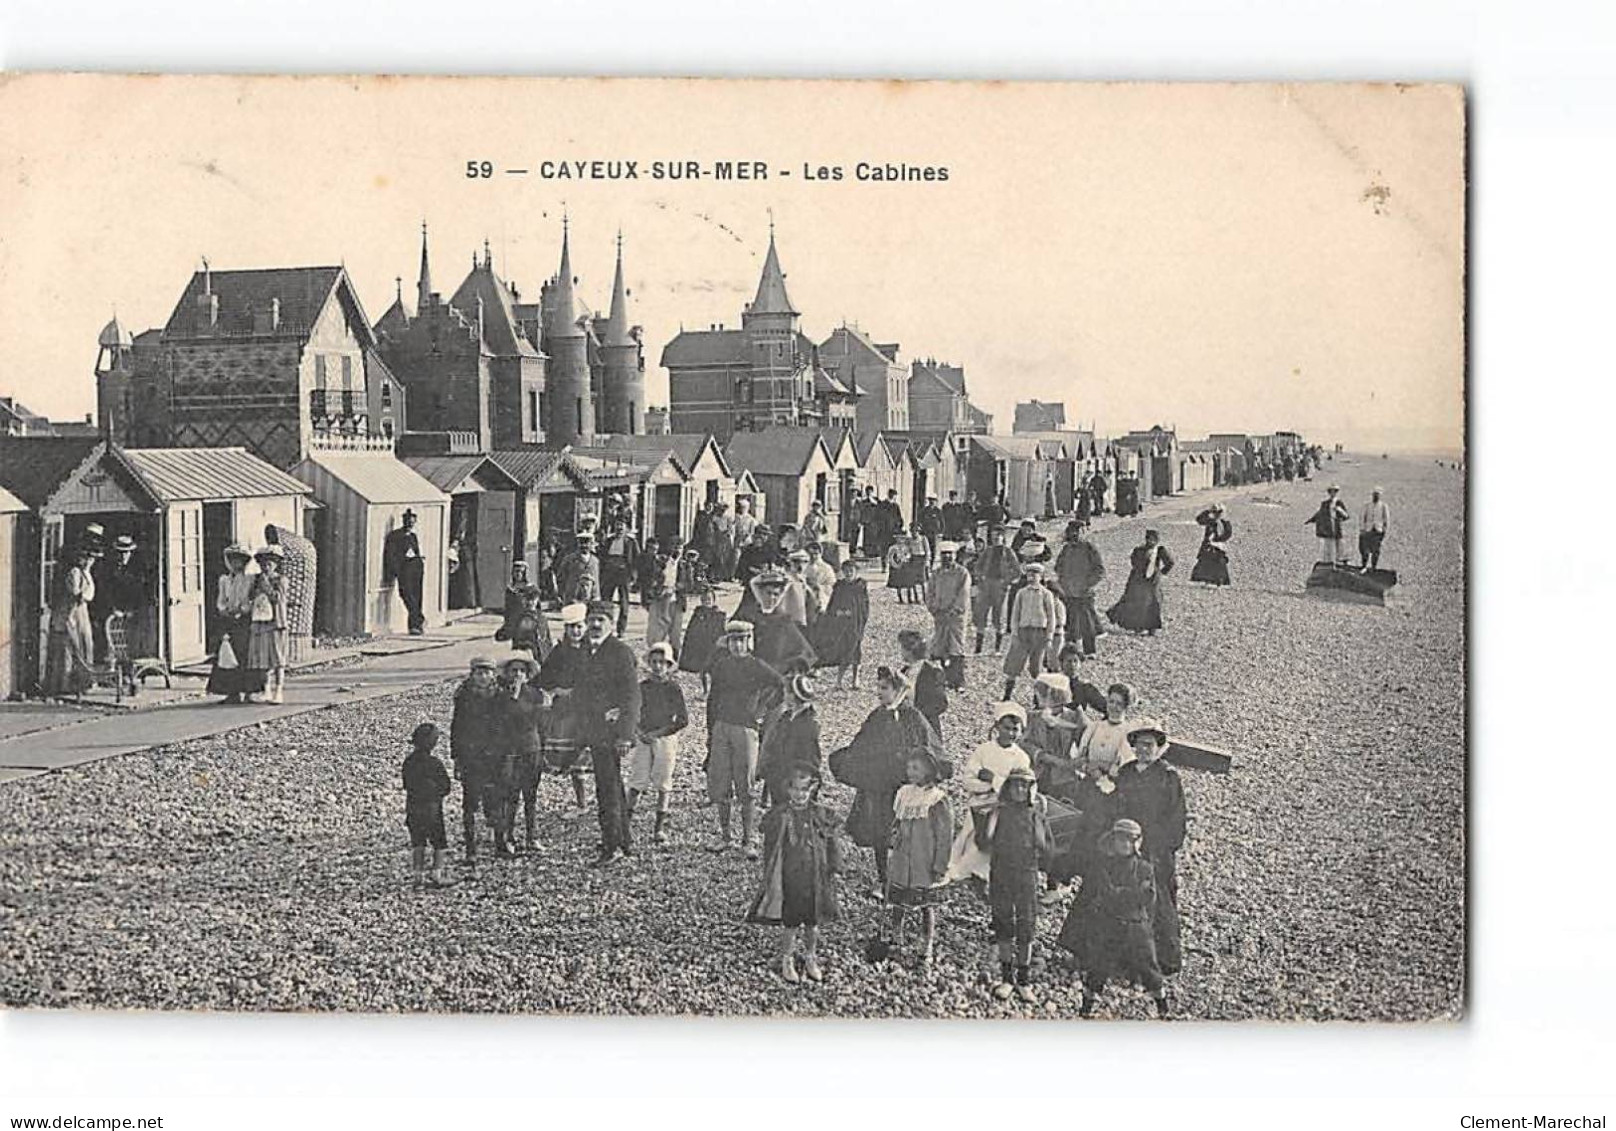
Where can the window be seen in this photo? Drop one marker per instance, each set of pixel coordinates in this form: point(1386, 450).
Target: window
point(189, 546)
point(347, 372)
point(387, 394)
point(632, 429)
point(578, 407)
point(319, 370)
point(532, 411)
point(347, 400)
point(317, 404)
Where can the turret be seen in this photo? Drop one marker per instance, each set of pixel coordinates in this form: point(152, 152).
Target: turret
point(572, 412)
point(623, 362)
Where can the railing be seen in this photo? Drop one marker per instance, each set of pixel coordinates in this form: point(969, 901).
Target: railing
point(324, 441)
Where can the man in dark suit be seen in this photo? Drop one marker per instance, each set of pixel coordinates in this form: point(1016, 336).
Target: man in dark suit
point(405, 568)
point(606, 703)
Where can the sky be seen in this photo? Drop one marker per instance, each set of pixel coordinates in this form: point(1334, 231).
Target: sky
point(1211, 257)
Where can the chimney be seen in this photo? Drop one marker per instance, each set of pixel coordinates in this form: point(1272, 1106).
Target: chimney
point(208, 302)
point(268, 321)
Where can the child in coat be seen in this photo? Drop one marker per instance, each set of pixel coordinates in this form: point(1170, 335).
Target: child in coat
point(702, 635)
point(1017, 841)
point(898, 570)
point(927, 688)
point(472, 737)
point(801, 860)
point(790, 738)
point(1150, 792)
point(662, 717)
point(922, 833)
point(426, 784)
point(1109, 929)
point(919, 566)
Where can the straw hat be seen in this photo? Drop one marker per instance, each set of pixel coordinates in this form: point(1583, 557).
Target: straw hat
point(1149, 726)
point(237, 550)
point(270, 551)
point(661, 648)
point(574, 613)
point(1009, 710)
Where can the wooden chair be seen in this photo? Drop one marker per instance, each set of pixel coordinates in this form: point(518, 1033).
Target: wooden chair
point(126, 669)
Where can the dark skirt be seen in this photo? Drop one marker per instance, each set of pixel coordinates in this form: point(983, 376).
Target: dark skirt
point(240, 680)
point(1140, 608)
point(917, 897)
point(908, 575)
point(701, 638)
point(1211, 565)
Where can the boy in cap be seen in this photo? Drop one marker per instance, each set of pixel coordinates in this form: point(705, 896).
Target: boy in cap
point(1017, 841)
point(425, 786)
point(523, 715)
point(1109, 929)
point(662, 717)
point(1034, 618)
point(559, 675)
point(948, 600)
point(471, 741)
point(735, 706)
point(1150, 792)
point(578, 573)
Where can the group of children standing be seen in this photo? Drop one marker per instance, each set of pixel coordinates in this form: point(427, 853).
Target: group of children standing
point(1071, 791)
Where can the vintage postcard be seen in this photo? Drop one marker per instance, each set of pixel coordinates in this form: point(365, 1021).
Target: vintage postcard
point(766, 548)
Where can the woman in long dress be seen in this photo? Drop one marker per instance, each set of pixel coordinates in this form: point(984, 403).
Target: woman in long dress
point(1140, 609)
point(233, 602)
point(266, 641)
point(70, 656)
point(1212, 563)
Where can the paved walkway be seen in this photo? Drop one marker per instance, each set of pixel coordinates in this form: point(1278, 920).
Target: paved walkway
point(81, 737)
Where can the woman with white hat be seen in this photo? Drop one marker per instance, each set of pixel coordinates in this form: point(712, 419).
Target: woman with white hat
point(231, 677)
point(267, 646)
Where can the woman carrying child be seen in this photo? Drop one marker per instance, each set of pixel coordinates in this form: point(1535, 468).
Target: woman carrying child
point(801, 859)
point(874, 765)
point(983, 776)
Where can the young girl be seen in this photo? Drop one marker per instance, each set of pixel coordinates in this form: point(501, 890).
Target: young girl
point(899, 571)
point(1150, 793)
point(927, 691)
point(701, 637)
point(839, 634)
point(790, 738)
point(873, 764)
point(919, 566)
point(984, 775)
point(922, 831)
point(266, 647)
point(1109, 930)
point(1104, 747)
point(801, 859)
point(1017, 842)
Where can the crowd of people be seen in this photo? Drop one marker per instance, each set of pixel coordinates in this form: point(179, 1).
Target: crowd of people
point(1064, 788)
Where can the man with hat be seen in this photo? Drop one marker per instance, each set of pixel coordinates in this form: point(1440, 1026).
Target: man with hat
point(404, 567)
point(619, 555)
point(740, 685)
point(1080, 571)
point(1373, 524)
point(559, 675)
point(991, 574)
point(948, 600)
point(607, 704)
point(663, 716)
point(957, 520)
point(578, 572)
point(816, 526)
point(126, 591)
point(1328, 522)
point(472, 735)
point(930, 524)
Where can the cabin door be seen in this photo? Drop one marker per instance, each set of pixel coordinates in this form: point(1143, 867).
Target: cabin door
point(187, 619)
point(496, 544)
point(669, 499)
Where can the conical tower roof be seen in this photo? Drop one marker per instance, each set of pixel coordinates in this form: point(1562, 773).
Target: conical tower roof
point(771, 293)
point(114, 336)
point(423, 286)
point(617, 321)
point(564, 312)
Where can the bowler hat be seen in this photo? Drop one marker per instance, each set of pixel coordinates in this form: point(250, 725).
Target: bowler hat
point(602, 609)
point(124, 544)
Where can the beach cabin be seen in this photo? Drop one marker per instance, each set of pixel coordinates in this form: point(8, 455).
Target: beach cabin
point(1013, 468)
point(549, 486)
point(482, 524)
point(792, 467)
point(363, 496)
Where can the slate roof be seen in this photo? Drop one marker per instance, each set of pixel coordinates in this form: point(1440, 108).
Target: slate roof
point(687, 447)
point(1008, 447)
point(863, 443)
point(531, 467)
point(951, 378)
point(176, 474)
point(33, 467)
point(700, 348)
point(777, 451)
point(302, 292)
point(771, 295)
point(499, 316)
point(446, 473)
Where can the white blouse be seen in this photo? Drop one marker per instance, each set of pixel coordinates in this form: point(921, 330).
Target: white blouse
point(1104, 746)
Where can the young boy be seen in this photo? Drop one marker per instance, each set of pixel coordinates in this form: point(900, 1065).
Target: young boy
point(426, 784)
point(734, 718)
point(1017, 841)
point(471, 740)
point(1150, 792)
point(1033, 619)
point(522, 715)
point(662, 717)
point(1109, 928)
point(560, 674)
